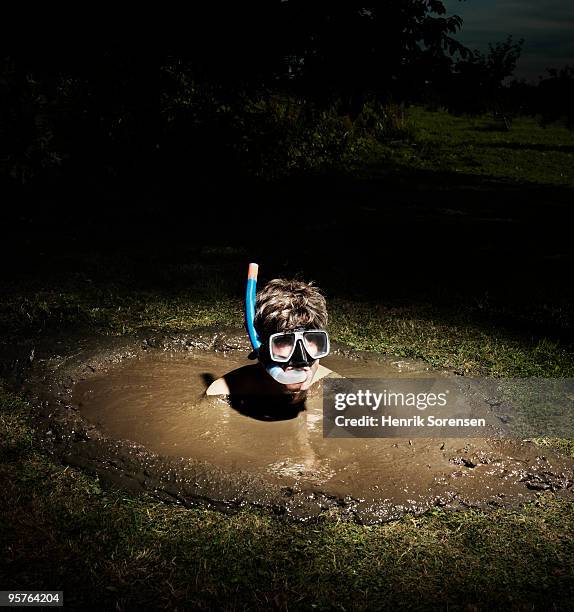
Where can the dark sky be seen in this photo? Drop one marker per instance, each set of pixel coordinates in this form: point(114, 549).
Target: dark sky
point(547, 27)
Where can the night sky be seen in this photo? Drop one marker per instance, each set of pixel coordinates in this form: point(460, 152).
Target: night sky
point(547, 27)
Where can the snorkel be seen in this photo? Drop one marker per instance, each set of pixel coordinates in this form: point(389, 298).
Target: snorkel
point(250, 306)
point(285, 377)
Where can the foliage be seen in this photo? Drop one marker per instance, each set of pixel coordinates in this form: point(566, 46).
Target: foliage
point(334, 79)
point(555, 97)
point(268, 134)
point(212, 100)
point(27, 126)
point(386, 122)
point(344, 52)
point(476, 85)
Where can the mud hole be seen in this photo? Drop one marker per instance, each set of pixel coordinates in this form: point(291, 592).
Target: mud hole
point(133, 411)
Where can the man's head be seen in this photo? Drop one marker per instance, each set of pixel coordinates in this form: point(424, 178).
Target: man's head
point(284, 305)
point(288, 305)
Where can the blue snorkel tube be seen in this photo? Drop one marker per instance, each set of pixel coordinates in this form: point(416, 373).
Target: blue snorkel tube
point(250, 306)
point(285, 377)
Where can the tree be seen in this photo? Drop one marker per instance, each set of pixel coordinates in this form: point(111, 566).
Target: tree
point(478, 80)
point(107, 110)
point(345, 51)
point(555, 96)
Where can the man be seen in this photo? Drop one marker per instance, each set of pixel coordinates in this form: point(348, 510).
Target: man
point(290, 321)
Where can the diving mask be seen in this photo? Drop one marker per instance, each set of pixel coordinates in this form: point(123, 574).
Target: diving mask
point(299, 346)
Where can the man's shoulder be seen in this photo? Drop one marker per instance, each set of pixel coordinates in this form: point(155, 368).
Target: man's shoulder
point(218, 387)
point(323, 372)
point(333, 374)
point(240, 380)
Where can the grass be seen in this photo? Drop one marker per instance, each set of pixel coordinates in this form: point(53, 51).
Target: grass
point(527, 152)
point(446, 339)
point(61, 528)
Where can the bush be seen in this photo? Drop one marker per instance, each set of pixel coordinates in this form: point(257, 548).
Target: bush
point(385, 121)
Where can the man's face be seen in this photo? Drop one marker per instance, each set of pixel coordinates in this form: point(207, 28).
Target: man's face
point(292, 352)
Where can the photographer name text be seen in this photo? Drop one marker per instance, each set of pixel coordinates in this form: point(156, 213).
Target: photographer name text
point(412, 421)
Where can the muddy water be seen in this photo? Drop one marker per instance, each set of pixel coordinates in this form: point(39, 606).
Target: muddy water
point(158, 401)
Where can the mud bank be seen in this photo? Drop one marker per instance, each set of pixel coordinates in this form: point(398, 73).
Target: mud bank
point(132, 411)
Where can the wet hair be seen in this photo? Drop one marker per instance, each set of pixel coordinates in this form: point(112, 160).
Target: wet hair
point(288, 304)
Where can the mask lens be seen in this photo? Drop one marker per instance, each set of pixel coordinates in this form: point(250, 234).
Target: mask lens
point(282, 347)
point(316, 343)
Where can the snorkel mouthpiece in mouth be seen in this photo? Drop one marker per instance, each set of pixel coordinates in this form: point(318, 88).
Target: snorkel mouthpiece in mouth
point(285, 377)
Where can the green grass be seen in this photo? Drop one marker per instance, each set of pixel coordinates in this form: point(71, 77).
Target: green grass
point(456, 342)
point(528, 152)
point(446, 339)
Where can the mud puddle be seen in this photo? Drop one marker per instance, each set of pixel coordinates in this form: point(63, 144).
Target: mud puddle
point(156, 399)
point(159, 401)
